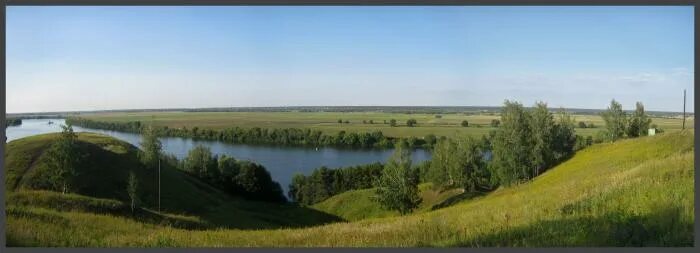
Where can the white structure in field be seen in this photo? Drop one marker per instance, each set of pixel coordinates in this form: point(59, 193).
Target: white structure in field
point(652, 131)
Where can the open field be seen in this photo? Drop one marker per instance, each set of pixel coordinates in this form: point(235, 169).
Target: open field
point(448, 125)
point(636, 192)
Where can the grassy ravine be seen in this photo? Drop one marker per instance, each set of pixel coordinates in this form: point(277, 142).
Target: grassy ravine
point(104, 174)
point(359, 204)
point(633, 192)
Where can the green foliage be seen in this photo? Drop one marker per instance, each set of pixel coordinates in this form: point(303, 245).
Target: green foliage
point(495, 123)
point(469, 171)
point(528, 143)
point(430, 140)
point(357, 205)
point(324, 182)
point(459, 164)
point(438, 172)
point(582, 124)
point(242, 178)
point(564, 138)
point(151, 148)
point(542, 131)
point(255, 182)
point(255, 135)
point(12, 122)
point(615, 120)
point(392, 122)
point(62, 159)
point(104, 173)
point(411, 122)
point(199, 161)
point(465, 123)
point(639, 122)
point(228, 168)
point(397, 188)
point(635, 192)
point(132, 190)
point(512, 145)
point(582, 142)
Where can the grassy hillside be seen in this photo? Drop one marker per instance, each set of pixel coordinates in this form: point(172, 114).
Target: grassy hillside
point(359, 204)
point(632, 192)
point(104, 172)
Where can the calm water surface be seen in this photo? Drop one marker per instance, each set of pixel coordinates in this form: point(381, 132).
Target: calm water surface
point(282, 162)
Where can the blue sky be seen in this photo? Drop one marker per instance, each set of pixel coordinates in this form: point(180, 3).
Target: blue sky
point(95, 58)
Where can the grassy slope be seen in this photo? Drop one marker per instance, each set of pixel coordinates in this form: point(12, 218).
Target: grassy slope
point(633, 192)
point(448, 125)
point(104, 175)
point(358, 204)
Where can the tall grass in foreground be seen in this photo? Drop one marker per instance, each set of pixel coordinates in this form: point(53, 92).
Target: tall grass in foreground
point(634, 192)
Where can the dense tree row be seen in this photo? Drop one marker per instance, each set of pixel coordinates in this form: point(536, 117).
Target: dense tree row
point(323, 182)
point(459, 163)
point(256, 135)
point(240, 178)
point(236, 177)
point(12, 122)
point(529, 142)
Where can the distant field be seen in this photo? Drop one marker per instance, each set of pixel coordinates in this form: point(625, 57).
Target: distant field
point(447, 125)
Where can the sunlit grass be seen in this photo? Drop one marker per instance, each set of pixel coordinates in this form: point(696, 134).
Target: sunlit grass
point(633, 192)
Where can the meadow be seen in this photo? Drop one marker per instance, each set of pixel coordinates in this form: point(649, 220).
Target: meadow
point(446, 125)
point(635, 192)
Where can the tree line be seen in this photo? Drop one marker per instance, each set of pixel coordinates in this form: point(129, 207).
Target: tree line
point(12, 122)
point(236, 177)
point(323, 182)
point(256, 135)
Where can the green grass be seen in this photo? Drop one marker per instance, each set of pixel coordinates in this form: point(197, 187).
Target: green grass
point(448, 125)
point(633, 192)
point(360, 204)
point(104, 175)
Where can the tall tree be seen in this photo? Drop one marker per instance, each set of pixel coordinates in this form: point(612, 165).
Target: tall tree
point(198, 161)
point(512, 145)
point(468, 170)
point(63, 159)
point(542, 127)
point(151, 148)
point(397, 188)
point(615, 120)
point(440, 164)
point(564, 136)
point(132, 190)
point(639, 122)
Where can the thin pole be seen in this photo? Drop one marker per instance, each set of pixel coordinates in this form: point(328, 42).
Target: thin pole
point(158, 184)
point(683, 108)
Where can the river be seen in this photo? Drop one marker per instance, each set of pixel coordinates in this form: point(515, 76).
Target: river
point(281, 161)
